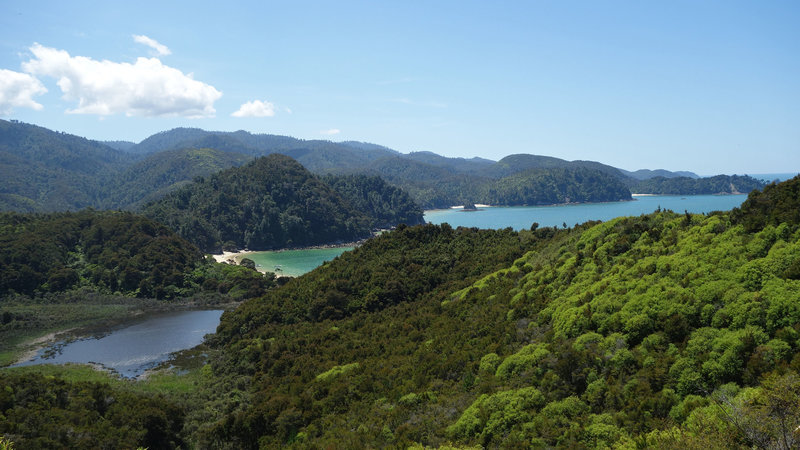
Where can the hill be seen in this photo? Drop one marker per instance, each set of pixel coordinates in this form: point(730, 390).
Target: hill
point(49, 171)
point(719, 184)
point(645, 174)
point(271, 202)
point(43, 170)
point(554, 185)
point(665, 330)
point(160, 173)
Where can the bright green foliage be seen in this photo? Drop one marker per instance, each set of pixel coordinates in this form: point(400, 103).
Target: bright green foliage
point(6, 444)
point(336, 371)
point(495, 414)
point(525, 359)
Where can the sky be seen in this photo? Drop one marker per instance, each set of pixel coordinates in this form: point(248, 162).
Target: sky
point(707, 86)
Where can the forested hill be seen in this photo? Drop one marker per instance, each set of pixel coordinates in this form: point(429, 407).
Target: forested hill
point(153, 177)
point(661, 331)
point(719, 184)
point(50, 171)
point(43, 170)
point(271, 202)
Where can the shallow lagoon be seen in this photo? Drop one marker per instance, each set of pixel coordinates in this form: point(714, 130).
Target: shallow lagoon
point(294, 263)
point(135, 348)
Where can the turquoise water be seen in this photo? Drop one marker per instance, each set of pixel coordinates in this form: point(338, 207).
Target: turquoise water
point(521, 217)
point(295, 262)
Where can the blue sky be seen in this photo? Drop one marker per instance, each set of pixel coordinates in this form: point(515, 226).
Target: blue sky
point(712, 87)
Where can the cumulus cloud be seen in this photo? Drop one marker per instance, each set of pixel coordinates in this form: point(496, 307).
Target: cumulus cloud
point(152, 43)
point(17, 91)
point(256, 108)
point(145, 88)
point(330, 132)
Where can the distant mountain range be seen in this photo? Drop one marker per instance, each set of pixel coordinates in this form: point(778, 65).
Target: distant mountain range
point(44, 170)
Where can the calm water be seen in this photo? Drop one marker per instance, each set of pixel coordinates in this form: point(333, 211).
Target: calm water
point(131, 350)
point(295, 262)
point(521, 217)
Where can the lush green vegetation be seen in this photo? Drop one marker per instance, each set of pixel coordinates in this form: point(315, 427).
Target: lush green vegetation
point(665, 330)
point(43, 412)
point(66, 270)
point(552, 186)
point(720, 184)
point(109, 251)
point(43, 170)
point(50, 171)
point(160, 173)
point(385, 204)
point(272, 202)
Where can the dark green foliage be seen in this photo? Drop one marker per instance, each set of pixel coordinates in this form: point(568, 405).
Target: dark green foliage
point(160, 173)
point(272, 202)
point(112, 251)
point(777, 203)
point(386, 205)
point(43, 170)
point(719, 184)
point(552, 186)
point(39, 412)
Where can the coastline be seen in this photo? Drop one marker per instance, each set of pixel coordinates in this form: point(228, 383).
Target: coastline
point(237, 256)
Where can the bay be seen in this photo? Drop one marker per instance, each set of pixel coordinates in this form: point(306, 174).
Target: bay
point(522, 217)
point(133, 349)
point(294, 263)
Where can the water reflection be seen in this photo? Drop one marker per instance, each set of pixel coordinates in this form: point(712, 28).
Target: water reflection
point(132, 350)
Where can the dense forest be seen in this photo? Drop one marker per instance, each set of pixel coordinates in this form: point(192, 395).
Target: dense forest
point(43, 170)
point(272, 202)
point(158, 174)
point(552, 186)
point(384, 204)
point(720, 184)
point(665, 330)
point(111, 253)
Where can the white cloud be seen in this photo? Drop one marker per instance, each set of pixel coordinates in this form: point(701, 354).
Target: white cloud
point(145, 88)
point(256, 108)
point(17, 91)
point(152, 43)
point(330, 132)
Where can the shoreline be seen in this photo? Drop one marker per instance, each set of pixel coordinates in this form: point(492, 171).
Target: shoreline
point(237, 256)
point(35, 345)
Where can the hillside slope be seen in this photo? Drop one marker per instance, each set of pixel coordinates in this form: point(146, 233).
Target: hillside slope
point(43, 170)
point(664, 330)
